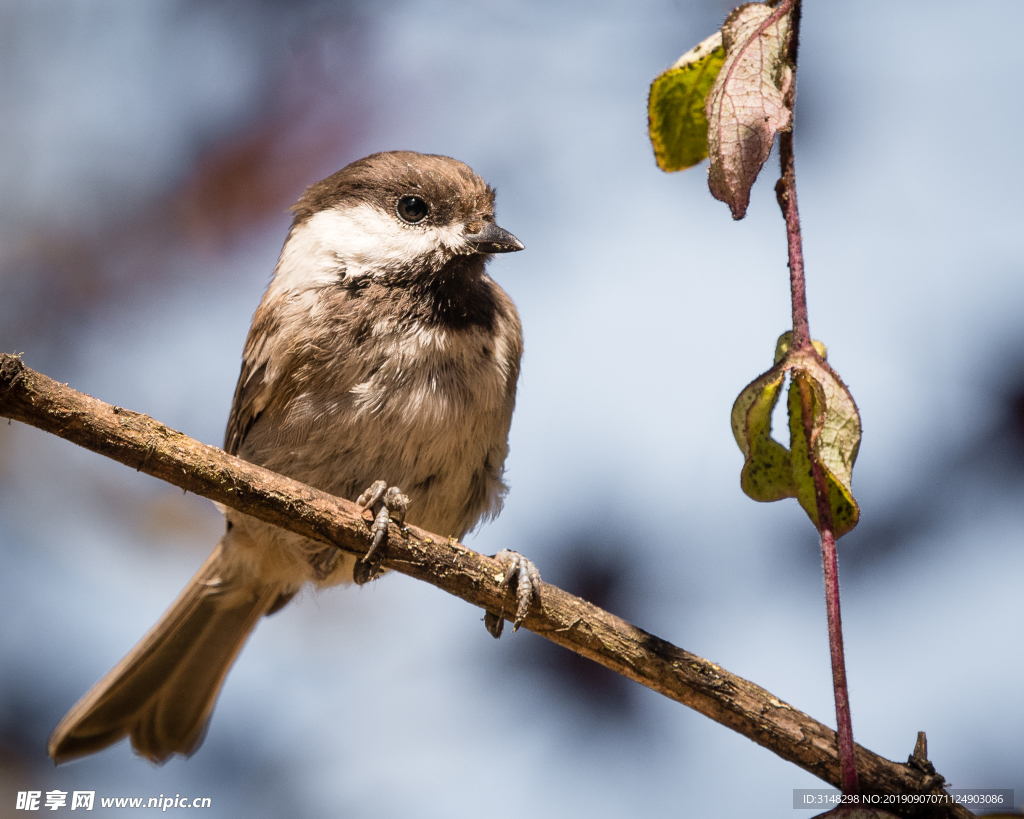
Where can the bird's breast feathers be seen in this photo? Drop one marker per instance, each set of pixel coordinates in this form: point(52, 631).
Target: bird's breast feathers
point(389, 396)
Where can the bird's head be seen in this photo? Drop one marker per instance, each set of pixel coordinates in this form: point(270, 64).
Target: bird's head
point(393, 217)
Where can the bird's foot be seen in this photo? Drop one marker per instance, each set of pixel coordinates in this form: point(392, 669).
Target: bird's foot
point(386, 504)
point(527, 590)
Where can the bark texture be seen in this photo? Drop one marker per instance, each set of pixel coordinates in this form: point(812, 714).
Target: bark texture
point(148, 446)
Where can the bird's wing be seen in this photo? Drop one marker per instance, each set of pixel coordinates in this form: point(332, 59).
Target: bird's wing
point(289, 353)
point(257, 379)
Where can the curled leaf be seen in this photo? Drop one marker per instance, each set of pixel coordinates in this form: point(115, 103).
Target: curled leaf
point(773, 472)
point(768, 471)
point(835, 433)
point(676, 119)
point(746, 106)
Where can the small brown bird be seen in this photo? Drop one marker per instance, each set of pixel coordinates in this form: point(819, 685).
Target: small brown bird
point(381, 356)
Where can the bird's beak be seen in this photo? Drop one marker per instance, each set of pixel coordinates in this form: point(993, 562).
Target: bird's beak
point(493, 239)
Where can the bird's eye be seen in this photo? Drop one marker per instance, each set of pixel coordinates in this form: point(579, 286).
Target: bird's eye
point(412, 209)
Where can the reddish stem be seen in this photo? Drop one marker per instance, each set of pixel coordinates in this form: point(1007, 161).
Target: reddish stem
point(844, 722)
point(786, 193)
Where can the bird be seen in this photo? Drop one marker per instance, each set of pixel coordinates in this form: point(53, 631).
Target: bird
point(381, 365)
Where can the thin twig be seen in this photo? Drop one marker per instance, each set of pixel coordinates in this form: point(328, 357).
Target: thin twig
point(826, 528)
point(133, 439)
point(786, 193)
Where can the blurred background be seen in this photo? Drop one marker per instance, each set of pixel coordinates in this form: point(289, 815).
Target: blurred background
point(148, 153)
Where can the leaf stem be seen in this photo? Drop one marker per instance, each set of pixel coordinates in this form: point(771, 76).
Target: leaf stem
point(826, 527)
point(844, 722)
point(785, 191)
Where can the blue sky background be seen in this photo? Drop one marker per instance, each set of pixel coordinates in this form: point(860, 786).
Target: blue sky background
point(147, 155)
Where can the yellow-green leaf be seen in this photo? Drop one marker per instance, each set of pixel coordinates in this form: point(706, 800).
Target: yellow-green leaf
point(772, 472)
point(767, 473)
point(782, 347)
point(675, 108)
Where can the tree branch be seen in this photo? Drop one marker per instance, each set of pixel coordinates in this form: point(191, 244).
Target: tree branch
point(147, 445)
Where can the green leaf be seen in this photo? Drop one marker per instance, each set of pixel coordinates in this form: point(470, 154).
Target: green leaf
point(747, 105)
point(767, 473)
point(675, 107)
point(786, 339)
point(772, 472)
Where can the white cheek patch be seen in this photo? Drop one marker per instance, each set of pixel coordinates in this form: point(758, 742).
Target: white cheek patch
point(361, 240)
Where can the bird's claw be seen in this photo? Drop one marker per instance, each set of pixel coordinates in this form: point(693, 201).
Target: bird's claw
point(527, 590)
point(386, 504)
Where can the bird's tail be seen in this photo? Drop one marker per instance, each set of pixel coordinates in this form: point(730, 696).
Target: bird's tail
point(162, 694)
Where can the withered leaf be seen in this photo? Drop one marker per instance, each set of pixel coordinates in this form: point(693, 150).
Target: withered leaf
point(746, 107)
